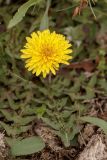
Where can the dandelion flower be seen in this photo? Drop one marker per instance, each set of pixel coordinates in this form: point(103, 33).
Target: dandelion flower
point(44, 51)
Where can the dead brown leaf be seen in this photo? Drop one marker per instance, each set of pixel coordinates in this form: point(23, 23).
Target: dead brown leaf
point(79, 9)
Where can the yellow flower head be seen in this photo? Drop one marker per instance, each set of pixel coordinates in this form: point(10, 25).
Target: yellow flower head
point(44, 51)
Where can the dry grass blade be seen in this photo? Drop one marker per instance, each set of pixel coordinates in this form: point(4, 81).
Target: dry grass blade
point(49, 137)
point(95, 150)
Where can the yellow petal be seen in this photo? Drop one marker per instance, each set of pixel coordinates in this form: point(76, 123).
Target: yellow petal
point(45, 51)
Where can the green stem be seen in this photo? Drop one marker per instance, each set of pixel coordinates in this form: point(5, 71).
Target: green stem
point(67, 139)
point(50, 78)
point(92, 9)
